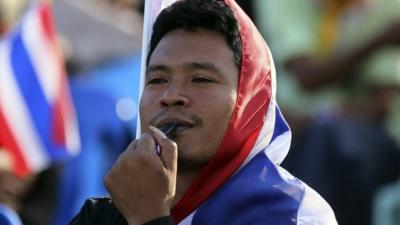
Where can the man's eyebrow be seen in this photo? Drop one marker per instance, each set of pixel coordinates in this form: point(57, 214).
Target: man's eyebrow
point(187, 66)
point(203, 66)
point(155, 68)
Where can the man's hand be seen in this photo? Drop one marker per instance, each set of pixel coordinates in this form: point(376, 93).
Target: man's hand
point(12, 187)
point(141, 183)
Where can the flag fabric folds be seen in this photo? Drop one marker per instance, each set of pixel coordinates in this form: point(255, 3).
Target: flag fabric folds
point(38, 125)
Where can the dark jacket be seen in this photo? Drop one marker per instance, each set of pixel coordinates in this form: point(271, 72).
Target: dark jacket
point(101, 211)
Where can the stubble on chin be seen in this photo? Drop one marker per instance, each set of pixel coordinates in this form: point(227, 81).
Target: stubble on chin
point(188, 164)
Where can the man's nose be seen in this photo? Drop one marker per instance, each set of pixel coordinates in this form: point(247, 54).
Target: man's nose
point(174, 96)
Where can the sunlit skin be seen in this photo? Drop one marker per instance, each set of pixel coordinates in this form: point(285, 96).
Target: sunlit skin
point(192, 79)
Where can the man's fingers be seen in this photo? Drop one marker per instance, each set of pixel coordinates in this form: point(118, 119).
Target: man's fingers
point(157, 133)
point(140, 184)
point(169, 152)
point(132, 145)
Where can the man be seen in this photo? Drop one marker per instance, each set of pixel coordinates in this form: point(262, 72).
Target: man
point(210, 72)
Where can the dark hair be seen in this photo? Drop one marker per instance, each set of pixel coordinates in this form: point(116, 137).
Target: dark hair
point(190, 15)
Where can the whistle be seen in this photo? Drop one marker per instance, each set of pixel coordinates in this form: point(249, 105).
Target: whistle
point(169, 130)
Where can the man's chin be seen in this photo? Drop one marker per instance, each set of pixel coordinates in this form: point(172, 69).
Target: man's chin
point(190, 164)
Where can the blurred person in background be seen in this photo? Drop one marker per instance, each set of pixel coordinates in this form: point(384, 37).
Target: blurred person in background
point(387, 66)
point(357, 153)
point(387, 205)
point(324, 49)
point(319, 45)
point(12, 191)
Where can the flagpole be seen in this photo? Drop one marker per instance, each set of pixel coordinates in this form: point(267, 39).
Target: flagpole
point(147, 28)
point(151, 10)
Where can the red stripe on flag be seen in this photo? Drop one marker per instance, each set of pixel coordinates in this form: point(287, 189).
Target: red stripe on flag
point(46, 17)
point(60, 107)
point(58, 121)
point(20, 166)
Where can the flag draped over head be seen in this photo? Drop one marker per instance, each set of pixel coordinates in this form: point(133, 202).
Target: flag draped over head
point(243, 182)
point(37, 119)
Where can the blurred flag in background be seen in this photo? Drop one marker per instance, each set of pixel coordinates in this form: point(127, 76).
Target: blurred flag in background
point(38, 124)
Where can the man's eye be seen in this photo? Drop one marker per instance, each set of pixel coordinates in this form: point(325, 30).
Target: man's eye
point(202, 80)
point(156, 81)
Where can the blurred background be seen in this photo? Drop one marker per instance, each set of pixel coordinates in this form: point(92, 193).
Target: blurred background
point(338, 72)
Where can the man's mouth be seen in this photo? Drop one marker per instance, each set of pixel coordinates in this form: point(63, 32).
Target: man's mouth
point(172, 126)
point(169, 129)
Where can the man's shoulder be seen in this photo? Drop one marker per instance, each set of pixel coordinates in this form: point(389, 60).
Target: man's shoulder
point(98, 211)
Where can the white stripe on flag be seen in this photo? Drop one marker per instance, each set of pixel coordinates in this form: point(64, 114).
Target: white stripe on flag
point(48, 70)
point(265, 135)
point(73, 143)
point(314, 209)
point(151, 10)
point(17, 115)
point(188, 220)
point(273, 74)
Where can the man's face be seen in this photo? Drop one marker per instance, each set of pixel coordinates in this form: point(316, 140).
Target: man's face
point(191, 79)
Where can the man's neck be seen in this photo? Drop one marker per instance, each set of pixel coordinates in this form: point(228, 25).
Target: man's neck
point(183, 182)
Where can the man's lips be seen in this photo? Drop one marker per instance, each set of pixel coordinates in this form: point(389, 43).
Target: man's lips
point(182, 121)
point(177, 124)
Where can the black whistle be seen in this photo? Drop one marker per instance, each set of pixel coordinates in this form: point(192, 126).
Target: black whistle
point(169, 129)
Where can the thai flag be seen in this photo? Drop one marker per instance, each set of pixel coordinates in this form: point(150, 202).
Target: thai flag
point(38, 125)
point(258, 191)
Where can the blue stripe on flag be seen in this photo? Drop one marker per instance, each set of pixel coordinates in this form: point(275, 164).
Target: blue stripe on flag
point(39, 109)
point(281, 125)
point(258, 194)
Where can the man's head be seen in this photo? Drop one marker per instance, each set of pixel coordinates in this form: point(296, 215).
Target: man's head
point(192, 76)
point(191, 15)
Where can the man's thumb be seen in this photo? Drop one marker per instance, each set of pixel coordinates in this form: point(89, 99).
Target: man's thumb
point(168, 149)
